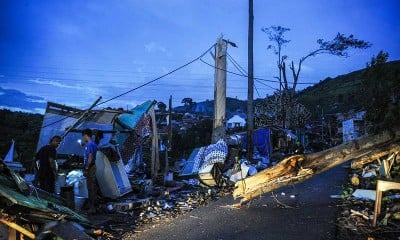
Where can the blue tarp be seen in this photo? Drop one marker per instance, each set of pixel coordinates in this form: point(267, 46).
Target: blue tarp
point(131, 119)
point(261, 141)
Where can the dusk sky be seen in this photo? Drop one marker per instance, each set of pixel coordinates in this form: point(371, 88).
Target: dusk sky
point(71, 52)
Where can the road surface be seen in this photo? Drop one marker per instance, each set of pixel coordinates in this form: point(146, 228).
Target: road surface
point(313, 215)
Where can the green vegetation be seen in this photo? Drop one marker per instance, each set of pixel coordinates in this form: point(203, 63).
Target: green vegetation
point(348, 92)
point(24, 128)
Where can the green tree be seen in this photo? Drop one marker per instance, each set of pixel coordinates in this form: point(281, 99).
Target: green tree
point(381, 86)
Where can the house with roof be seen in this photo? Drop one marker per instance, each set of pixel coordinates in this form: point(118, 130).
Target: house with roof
point(235, 121)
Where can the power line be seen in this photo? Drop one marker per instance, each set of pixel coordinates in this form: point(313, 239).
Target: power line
point(107, 73)
point(156, 79)
point(255, 78)
point(142, 85)
point(267, 85)
point(236, 64)
point(255, 87)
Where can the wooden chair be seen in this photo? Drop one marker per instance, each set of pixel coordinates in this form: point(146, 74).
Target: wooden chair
point(382, 186)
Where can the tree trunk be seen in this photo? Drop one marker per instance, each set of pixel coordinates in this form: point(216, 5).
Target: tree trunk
point(298, 168)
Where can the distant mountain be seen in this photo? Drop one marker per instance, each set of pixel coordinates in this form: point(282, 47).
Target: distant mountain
point(18, 101)
point(206, 108)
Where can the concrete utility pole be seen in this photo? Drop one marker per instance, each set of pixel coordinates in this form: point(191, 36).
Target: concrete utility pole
point(250, 110)
point(219, 90)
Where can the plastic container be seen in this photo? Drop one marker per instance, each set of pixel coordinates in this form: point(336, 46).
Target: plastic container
point(67, 192)
point(79, 201)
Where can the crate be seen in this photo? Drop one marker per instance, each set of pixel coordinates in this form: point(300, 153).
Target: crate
point(211, 175)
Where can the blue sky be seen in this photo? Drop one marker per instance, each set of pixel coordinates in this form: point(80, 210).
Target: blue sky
point(72, 52)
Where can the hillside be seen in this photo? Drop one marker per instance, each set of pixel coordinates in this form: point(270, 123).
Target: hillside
point(340, 94)
point(207, 107)
point(24, 128)
point(331, 95)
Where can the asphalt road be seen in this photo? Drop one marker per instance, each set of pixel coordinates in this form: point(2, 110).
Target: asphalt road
point(313, 215)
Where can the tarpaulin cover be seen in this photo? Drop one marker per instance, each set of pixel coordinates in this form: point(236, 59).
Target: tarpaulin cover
point(57, 125)
point(131, 119)
point(261, 141)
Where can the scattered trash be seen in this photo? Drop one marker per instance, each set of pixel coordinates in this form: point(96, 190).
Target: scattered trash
point(335, 196)
point(356, 220)
point(355, 180)
point(241, 174)
point(371, 173)
point(365, 194)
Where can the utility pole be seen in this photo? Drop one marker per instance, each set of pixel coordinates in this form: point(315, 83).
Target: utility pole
point(219, 90)
point(250, 110)
point(169, 136)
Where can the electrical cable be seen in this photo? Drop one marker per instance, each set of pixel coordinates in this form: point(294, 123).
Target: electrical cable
point(245, 75)
point(255, 87)
point(241, 70)
point(142, 85)
point(266, 85)
point(235, 63)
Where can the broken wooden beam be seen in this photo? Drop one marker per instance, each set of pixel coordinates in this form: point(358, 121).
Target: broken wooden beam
point(374, 155)
point(298, 168)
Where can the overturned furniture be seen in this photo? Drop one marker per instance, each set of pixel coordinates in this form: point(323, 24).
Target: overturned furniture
point(382, 186)
point(205, 162)
point(111, 176)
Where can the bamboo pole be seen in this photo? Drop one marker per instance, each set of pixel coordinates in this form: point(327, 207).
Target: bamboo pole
point(18, 228)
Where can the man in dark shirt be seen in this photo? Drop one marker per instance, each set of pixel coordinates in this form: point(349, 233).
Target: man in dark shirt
point(47, 173)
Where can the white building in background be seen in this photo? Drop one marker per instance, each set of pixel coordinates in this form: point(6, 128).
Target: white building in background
point(235, 121)
point(354, 127)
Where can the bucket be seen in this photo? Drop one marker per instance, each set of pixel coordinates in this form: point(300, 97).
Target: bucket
point(80, 188)
point(67, 192)
point(148, 186)
point(60, 182)
point(79, 201)
point(169, 176)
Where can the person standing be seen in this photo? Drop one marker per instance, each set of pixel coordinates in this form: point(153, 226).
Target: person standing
point(47, 172)
point(90, 168)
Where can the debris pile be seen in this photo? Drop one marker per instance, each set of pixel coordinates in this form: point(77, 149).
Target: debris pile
point(33, 213)
point(131, 213)
point(360, 201)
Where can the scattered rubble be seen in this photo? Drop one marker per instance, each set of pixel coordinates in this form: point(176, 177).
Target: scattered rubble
point(358, 203)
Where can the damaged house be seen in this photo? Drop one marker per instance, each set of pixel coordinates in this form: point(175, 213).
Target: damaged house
point(127, 136)
point(124, 132)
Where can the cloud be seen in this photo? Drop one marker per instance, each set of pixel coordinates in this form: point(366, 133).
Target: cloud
point(55, 84)
point(36, 100)
point(85, 91)
point(154, 47)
